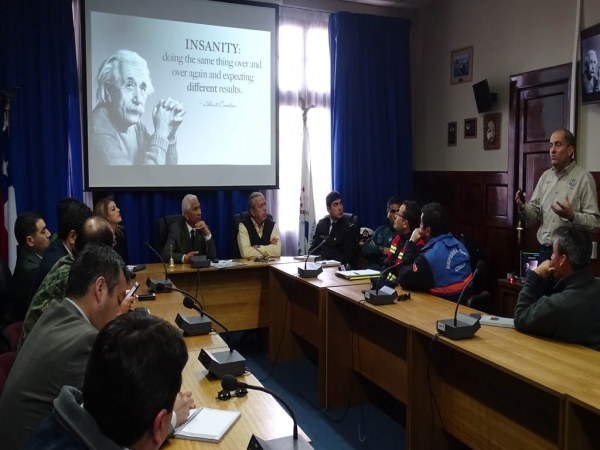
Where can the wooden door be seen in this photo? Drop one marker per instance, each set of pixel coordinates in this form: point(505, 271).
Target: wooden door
point(539, 104)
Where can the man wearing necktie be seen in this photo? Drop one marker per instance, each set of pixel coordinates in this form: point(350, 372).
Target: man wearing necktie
point(190, 235)
point(342, 236)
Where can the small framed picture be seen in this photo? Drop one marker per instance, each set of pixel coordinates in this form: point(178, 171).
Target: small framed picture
point(461, 65)
point(492, 124)
point(452, 134)
point(470, 131)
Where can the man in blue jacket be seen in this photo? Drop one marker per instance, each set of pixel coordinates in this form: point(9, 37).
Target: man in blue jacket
point(443, 266)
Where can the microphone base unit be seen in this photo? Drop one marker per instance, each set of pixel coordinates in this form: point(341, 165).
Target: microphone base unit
point(194, 325)
point(223, 363)
point(384, 296)
point(465, 328)
point(312, 270)
point(152, 282)
point(284, 443)
point(199, 262)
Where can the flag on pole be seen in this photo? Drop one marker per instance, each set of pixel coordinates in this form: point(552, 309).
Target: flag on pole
point(308, 221)
point(8, 242)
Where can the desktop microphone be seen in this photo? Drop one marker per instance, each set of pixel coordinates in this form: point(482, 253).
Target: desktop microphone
point(461, 327)
point(388, 294)
point(152, 282)
point(220, 363)
point(315, 268)
point(191, 325)
point(191, 303)
point(230, 383)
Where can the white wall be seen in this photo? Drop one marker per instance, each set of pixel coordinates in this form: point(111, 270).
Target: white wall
point(509, 37)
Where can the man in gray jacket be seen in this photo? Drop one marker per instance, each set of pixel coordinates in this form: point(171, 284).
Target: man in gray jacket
point(571, 312)
point(58, 348)
point(133, 355)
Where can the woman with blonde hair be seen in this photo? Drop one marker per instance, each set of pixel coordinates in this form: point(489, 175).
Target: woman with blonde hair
point(107, 208)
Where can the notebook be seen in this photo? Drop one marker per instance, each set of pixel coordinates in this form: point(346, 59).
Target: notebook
point(357, 274)
point(496, 321)
point(205, 424)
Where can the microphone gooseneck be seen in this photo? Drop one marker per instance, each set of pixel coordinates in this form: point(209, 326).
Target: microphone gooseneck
point(147, 244)
point(380, 275)
point(231, 383)
point(479, 267)
point(325, 238)
point(191, 303)
point(160, 287)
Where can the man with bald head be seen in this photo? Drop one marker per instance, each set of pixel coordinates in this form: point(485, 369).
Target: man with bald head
point(118, 135)
point(258, 235)
point(95, 229)
point(190, 235)
point(565, 194)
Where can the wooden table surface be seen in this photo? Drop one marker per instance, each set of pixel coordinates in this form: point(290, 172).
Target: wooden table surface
point(260, 412)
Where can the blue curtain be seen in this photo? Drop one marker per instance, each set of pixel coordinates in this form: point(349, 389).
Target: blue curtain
point(37, 55)
point(141, 211)
point(370, 112)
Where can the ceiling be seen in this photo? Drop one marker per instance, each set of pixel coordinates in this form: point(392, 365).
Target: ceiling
point(409, 4)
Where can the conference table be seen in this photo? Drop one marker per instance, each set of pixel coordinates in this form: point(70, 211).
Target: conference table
point(500, 389)
point(297, 310)
point(237, 296)
point(260, 413)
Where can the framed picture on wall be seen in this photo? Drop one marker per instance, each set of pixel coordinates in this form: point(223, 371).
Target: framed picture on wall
point(452, 134)
point(491, 131)
point(470, 130)
point(590, 70)
point(461, 65)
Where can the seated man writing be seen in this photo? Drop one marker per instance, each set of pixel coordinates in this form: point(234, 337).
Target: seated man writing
point(570, 313)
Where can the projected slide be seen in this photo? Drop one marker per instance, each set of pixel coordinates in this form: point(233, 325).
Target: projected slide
point(176, 104)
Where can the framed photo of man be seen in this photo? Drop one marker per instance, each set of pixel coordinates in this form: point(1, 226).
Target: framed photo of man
point(491, 131)
point(590, 70)
point(461, 65)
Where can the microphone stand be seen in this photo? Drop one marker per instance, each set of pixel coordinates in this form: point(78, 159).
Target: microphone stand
point(387, 295)
point(220, 363)
point(315, 268)
point(467, 326)
point(229, 383)
point(152, 282)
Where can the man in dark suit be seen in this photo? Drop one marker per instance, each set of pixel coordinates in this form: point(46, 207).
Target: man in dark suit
point(33, 239)
point(71, 215)
point(58, 348)
point(341, 236)
point(190, 235)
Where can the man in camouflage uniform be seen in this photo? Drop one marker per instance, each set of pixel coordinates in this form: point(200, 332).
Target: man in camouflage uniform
point(54, 286)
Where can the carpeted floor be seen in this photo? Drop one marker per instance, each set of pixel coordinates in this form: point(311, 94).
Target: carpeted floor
point(377, 425)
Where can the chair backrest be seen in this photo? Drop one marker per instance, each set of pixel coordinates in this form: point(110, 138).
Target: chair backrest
point(5, 281)
point(480, 302)
point(6, 362)
point(351, 218)
point(12, 333)
point(235, 226)
point(162, 230)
